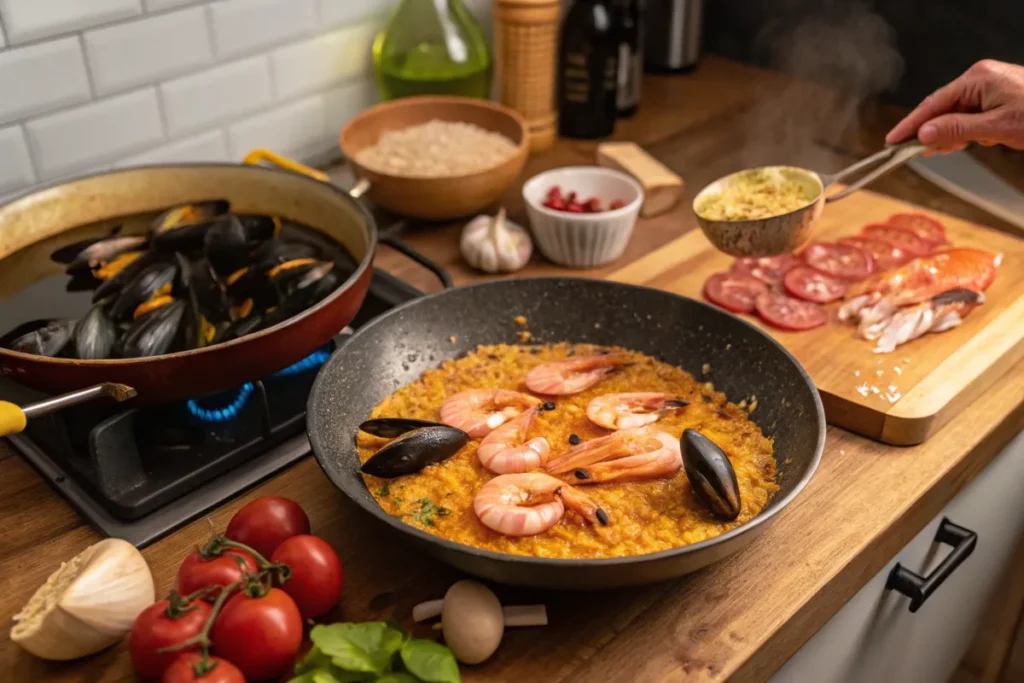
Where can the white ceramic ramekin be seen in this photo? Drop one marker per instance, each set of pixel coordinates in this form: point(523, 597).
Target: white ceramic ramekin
point(583, 240)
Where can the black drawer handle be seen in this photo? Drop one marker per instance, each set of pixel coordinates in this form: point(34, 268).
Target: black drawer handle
point(918, 588)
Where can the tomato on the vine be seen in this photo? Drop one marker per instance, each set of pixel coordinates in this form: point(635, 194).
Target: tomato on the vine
point(198, 572)
point(183, 670)
point(164, 624)
point(260, 635)
point(265, 522)
point(316, 577)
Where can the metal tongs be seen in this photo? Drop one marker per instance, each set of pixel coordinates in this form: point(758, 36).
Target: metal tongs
point(893, 157)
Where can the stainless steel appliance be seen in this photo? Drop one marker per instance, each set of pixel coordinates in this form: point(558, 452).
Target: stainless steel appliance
point(672, 35)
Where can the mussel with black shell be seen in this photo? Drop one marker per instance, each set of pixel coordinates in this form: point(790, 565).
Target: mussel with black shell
point(95, 335)
point(154, 281)
point(154, 333)
point(41, 337)
point(183, 228)
point(711, 475)
point(415, 444)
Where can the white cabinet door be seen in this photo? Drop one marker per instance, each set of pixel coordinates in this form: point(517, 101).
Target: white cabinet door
point(875, 638)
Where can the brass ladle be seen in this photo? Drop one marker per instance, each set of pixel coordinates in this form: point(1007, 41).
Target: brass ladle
point(788, 231)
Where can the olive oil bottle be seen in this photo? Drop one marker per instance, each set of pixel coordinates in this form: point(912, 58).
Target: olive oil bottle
point(588, 71)
point(432, 47)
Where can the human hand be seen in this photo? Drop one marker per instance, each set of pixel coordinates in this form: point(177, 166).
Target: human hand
point(984, 105)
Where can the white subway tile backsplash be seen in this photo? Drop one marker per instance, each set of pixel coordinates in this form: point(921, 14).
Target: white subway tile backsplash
point(16, 170)
point(42, 77)
point(296, 130)
point(342, 103)
point(159, 5)
point(226, 92)
point(27, 20)
point(319, 62)
point(210, 146)
point(3, 40)
point(334, 12)
point(148, 50)
point(241, 26)
point(85, 136)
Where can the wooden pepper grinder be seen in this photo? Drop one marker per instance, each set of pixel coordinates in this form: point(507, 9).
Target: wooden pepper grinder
point(526, 59)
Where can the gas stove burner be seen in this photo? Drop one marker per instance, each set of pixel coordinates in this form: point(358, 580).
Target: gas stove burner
point(224, 414)
point(230, 409)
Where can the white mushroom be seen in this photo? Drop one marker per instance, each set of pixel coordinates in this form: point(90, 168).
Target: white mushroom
point(472, 621)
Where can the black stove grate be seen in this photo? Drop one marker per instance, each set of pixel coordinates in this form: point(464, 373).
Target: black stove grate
point(138, 474)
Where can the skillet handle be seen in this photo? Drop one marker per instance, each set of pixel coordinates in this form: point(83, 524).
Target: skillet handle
point(258, 156)
point(12, 419)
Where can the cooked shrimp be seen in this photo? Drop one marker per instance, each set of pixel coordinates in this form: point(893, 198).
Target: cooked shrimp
point(573, 375)
point(478, 411)
point(626, 411)
point(627, 455)
point(506, 450)
point(531, 503)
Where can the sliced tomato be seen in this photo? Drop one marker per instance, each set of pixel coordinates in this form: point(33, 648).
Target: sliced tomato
point(812, 285)
point(839, 260)
point(734, 291)
point(925, 227)
point(885, 255)
point(897, 237)
point(768, 269)
point(787, 313)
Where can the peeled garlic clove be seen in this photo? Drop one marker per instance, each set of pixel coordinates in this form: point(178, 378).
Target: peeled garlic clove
point(495, 245)
point(88, 604)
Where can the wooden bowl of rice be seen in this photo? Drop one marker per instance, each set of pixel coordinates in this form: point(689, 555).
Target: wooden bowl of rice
point(436, 158)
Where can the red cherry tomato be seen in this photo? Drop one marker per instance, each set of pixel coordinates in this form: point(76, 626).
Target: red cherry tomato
point(734, 291)
point(316, 579)
point(898, 237)
point(839, 260)
point(787, 313)
point(261, 636)
point(265, 522)
point(768, 269)
point(183, 670)
point(197, 573)
point(616, 204)
point(925, 227)
point(812, 285)
point(886, 256)
point(154, 629)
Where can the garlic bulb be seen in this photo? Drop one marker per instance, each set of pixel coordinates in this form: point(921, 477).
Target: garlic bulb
point(495, 245)
point(87, 604)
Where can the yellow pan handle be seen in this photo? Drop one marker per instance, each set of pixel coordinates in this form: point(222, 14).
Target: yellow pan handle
point(12, 419)
point(258, 156)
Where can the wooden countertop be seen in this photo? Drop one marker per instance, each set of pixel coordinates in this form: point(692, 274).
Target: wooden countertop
point(742, 617)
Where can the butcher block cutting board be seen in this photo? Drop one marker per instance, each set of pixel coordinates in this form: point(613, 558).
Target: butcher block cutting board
point(900, 398)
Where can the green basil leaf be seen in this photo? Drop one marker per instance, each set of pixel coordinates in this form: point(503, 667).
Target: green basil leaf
point(358, 647)
point(331, 674)
point(430, 661)
point(398, 677)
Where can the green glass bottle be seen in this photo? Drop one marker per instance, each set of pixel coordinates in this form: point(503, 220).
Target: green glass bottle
point(432, 47)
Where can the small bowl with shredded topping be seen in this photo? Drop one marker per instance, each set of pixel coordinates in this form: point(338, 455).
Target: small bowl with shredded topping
point(761, 211)
point(436, 158)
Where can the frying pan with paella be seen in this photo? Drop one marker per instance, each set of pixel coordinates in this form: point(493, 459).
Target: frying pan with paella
point(567, 433)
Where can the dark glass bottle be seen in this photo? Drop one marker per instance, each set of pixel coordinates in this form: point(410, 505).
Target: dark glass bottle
point(631, 55)
point(588, 71)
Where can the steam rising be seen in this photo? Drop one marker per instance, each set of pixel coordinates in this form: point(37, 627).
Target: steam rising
point(844, 47)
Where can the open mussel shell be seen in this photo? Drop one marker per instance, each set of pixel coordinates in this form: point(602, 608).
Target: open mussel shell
point(104, 251)
point(142, 287)
point(183, 228)
point(414, 450)
point(154, 333)
point(226, 246)
point(711, 475)
point(390, 427)
point(274, 252)
point(95, 335)
point(112, 286)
